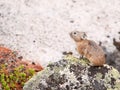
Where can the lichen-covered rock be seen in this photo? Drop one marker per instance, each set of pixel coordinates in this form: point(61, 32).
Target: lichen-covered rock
point(74, 74)
point(113, 59)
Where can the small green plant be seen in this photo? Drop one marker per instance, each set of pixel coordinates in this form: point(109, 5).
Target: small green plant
point(15, 78)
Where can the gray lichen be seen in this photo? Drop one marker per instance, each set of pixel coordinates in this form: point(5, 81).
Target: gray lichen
point(71, 73)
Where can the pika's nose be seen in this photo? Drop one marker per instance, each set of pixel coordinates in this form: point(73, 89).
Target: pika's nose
point(70, 33)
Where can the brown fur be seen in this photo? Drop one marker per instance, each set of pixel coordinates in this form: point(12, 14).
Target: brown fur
point(93, 52)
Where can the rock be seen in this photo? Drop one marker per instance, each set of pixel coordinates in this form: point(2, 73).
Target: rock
point(116, 44)
point(113, 58)
point(71, 73)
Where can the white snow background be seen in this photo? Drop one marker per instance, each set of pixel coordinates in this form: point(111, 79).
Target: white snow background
point(39, 29)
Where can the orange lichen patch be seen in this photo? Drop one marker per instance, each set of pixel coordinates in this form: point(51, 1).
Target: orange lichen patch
point(14, 71)
point(29, 65)
point(36, 67)
point(4, 52)
point(9, 56)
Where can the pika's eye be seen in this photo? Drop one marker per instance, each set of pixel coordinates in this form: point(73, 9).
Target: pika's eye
point(75, 33)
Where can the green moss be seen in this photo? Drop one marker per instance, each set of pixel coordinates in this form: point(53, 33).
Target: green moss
point(98, 76)
point(18, 76)
point(115, 73)
point(75, 60)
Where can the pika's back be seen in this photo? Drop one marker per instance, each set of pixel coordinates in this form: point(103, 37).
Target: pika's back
point(94, 53)
point(90, 48)
point(94, 48)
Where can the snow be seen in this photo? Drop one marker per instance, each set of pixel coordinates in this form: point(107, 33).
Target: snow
point(39, 29)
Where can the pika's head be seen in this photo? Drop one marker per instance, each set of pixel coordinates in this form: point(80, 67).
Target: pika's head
point(77, 35)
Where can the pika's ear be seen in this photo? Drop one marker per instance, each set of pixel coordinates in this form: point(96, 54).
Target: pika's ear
point(84, 35)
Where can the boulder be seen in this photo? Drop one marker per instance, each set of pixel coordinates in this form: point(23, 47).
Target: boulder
point(71, 73)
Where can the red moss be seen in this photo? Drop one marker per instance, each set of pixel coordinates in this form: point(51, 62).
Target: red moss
point(9, 56)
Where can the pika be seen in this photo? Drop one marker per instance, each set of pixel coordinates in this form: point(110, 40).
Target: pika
point(88, 48)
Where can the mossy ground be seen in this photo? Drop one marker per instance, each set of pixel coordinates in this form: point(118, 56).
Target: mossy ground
point(14, 72)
